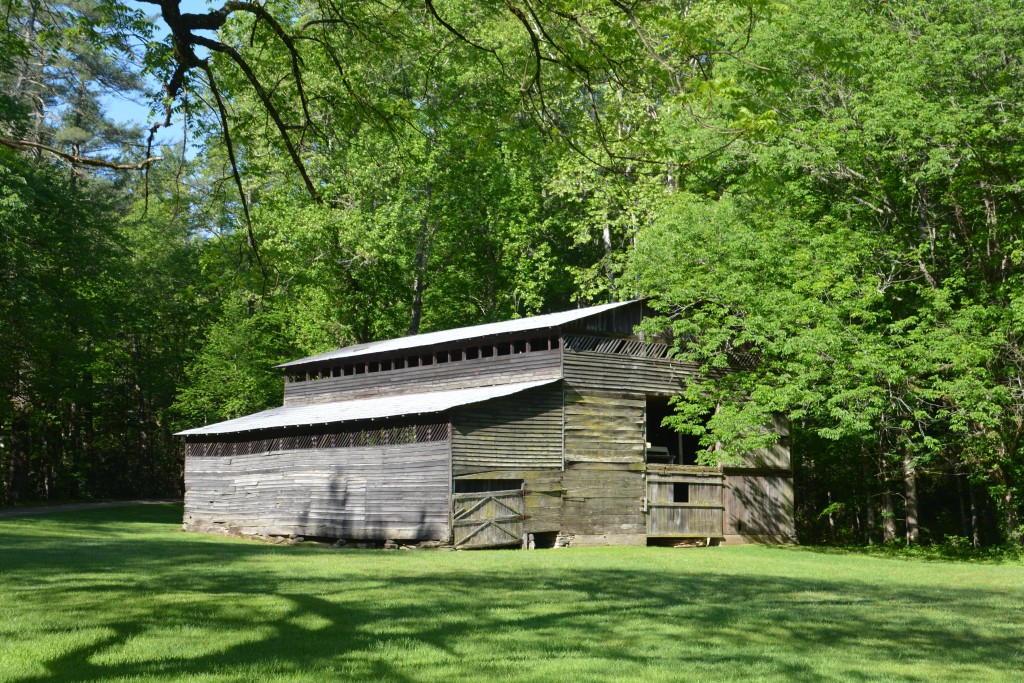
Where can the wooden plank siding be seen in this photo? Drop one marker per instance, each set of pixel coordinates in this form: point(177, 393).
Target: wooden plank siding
point(759, 504)
point(603, 484)
point(776, 456)
point(377, 493)
point(522, 431)
point(520, 367)
point(603, 426)
point(589, 369)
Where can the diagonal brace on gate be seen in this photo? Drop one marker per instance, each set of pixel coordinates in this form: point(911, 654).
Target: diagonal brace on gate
point(481, 503)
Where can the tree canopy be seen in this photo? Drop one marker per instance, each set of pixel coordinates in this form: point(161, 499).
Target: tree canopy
point(822, 197)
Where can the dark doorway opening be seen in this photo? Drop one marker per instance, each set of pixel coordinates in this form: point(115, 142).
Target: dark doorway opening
point(665, 445)
point(544, 539)
point(487, 485)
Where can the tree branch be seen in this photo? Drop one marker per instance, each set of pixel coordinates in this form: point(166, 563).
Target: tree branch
point(229, 145)
point(25, 145)
point(271, 108)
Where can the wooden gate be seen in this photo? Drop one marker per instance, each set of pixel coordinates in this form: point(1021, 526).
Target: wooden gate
point(488, 519)
point(684, 501)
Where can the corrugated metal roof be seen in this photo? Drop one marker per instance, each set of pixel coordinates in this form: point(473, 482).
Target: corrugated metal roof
point(362, 409)
point(536, 322)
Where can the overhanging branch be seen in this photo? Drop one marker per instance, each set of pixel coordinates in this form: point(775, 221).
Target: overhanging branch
point(26, 145)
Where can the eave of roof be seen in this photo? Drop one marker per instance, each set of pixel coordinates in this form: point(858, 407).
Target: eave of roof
point(537, 322)
point(362, 409)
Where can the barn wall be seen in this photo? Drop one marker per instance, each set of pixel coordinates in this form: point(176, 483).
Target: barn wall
point(369, 493)
point(522, 367)
point(522, 431)
point(759, 502)
point(758, 498)
point(626, 373)
point(515, 438)
point(603, 483)
point(759, 505)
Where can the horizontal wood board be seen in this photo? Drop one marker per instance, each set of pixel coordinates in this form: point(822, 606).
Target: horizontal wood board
point(603, 427)
point(605, 501)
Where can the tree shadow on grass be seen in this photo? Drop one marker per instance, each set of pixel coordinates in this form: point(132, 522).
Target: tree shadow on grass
point(187, 606)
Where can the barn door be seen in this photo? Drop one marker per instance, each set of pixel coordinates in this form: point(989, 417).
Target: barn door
point(488, 519)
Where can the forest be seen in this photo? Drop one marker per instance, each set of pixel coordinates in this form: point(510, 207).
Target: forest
point(825, 197)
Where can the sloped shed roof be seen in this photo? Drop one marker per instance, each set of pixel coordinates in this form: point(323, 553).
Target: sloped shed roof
point(362, 409)
point(537, 322)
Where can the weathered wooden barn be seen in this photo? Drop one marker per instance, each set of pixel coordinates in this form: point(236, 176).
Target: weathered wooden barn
point(546, 428)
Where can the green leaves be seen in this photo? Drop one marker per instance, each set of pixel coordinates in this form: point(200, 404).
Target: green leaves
point(861, 247)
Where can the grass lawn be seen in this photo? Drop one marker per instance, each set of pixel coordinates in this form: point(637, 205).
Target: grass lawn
point(121, 594)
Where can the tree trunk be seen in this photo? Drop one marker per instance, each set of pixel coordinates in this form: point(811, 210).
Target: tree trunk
point(420, 264)
point(869, 521)
point(975, 535)
point(888, 518)
point(17, 471)
point(869, 504)
point(1011, 518)
point(831, 521)
point(960, 500)
point(910, 491)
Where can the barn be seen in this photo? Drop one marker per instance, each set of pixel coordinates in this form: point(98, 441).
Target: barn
point(544, 429)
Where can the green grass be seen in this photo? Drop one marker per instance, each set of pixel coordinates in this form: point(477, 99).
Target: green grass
point(121, 594)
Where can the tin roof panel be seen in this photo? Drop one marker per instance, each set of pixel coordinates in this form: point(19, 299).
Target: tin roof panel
point(362, 409)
